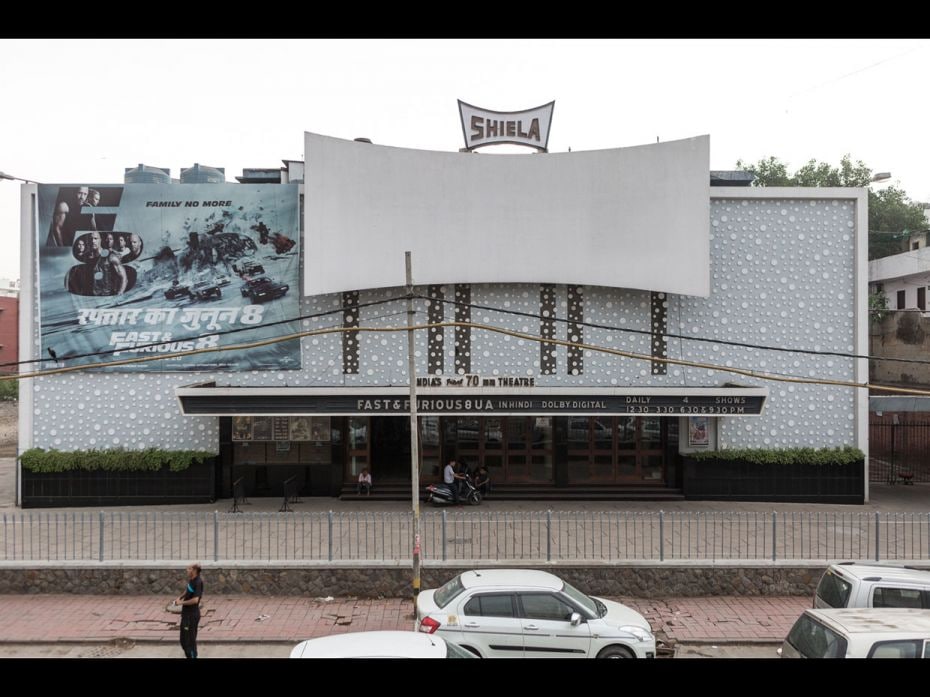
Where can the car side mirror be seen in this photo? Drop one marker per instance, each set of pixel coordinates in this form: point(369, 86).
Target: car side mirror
point(575, 619)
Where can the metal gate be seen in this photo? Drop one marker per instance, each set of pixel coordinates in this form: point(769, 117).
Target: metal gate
point(899, 453)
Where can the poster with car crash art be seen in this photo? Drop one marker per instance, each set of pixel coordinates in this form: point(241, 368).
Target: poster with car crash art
point(143, 270)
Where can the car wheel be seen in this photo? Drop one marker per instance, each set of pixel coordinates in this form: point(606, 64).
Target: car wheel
point(616, 652)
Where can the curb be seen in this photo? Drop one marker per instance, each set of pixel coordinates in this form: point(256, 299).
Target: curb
point(722, 642)
point(90, 641)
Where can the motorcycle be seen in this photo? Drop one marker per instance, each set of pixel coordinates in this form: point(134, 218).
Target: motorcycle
point(441, 494)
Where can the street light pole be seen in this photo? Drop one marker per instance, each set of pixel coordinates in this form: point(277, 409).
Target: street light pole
point(4, 175)
point(414, 434)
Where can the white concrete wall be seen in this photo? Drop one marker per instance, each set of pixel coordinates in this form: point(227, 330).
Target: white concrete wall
point(787, 269)
point(626, 217)
point(909, 286)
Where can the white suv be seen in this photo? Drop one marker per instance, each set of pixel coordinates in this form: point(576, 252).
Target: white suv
point(861, 585)
point(513, 613)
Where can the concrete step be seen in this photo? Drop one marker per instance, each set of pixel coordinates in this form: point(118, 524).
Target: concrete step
point(393, 492)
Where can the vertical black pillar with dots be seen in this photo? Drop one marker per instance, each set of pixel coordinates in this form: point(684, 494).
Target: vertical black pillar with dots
point(350, 311)
point(435, 314)
point(547, 329)
point(463, 334)
point(659, 317)
point(575, 329)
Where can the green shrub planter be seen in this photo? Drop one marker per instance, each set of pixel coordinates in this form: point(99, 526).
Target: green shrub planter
point(799, 475)
point(116, 477)
point(117, 460)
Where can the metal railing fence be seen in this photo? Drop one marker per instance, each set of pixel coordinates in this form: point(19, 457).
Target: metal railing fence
point(527, 536)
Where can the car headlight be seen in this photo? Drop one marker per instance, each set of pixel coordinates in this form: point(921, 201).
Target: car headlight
point(639, 632)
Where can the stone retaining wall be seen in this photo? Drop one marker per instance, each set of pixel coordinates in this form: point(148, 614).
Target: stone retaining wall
point(628, 580)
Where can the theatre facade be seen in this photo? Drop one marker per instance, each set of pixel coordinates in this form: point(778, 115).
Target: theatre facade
point(584, 322)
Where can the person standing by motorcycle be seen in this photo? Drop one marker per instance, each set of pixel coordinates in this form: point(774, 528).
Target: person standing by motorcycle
point(464, 475)
point(483, 480)
point(450, 478)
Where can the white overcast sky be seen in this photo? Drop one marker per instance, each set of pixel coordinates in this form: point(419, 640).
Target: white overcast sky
point(81, 111)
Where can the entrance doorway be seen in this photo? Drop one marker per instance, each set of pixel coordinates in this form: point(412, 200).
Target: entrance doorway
point(625, 450)
point(515, 449)
point(390, 449)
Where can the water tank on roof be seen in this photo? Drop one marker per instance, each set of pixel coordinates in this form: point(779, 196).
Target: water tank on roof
point(143, 174)
point(201, 174)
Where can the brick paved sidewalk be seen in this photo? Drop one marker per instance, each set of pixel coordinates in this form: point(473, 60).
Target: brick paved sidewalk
point(54, 618)
point(721, 619)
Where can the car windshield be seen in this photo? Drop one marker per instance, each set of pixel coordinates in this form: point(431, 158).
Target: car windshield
point(591, 606)
point(833, 590)
point(447, 592)
point(814, 640)
point(456, 651)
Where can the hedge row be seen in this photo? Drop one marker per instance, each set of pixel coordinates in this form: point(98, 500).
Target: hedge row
point(788, 456)
point(117, 460)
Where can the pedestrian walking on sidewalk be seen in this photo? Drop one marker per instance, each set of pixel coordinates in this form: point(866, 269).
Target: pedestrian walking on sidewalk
point(189, 601)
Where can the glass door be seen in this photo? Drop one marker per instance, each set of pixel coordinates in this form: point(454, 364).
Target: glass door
point(616, 450)
point(515, 449)
point(359, 447)
point(431, 463)
point(650, 452)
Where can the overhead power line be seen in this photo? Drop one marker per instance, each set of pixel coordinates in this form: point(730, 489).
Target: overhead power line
point(649, 333)
point(760, 375)
point(487, 308)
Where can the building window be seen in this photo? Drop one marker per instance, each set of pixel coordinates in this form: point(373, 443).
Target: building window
point(922, 298)
point(901, 299)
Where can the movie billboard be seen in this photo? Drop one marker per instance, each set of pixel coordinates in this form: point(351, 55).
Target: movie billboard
point(146, 269)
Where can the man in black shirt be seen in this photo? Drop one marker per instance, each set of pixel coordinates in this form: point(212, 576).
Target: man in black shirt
point(190, 610)
point(483, 480)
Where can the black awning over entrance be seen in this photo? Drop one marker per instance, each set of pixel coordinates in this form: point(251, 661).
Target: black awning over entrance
point(210, 400)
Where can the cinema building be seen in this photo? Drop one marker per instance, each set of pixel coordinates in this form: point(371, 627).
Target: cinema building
point(588, 322)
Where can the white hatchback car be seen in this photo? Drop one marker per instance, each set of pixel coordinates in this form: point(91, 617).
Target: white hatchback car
point(513, 613)
point(379, 645)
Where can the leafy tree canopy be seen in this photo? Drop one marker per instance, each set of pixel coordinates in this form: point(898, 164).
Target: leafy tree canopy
point(892, 215)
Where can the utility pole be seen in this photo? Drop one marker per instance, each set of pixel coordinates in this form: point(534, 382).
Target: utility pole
point(414, 434)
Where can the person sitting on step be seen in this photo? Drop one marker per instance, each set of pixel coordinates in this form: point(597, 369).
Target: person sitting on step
point(364, 482)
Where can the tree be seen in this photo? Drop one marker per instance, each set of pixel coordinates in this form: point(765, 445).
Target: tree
point(770, 172)
point(892, 215)
point(878, 307)
point(892, 218)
